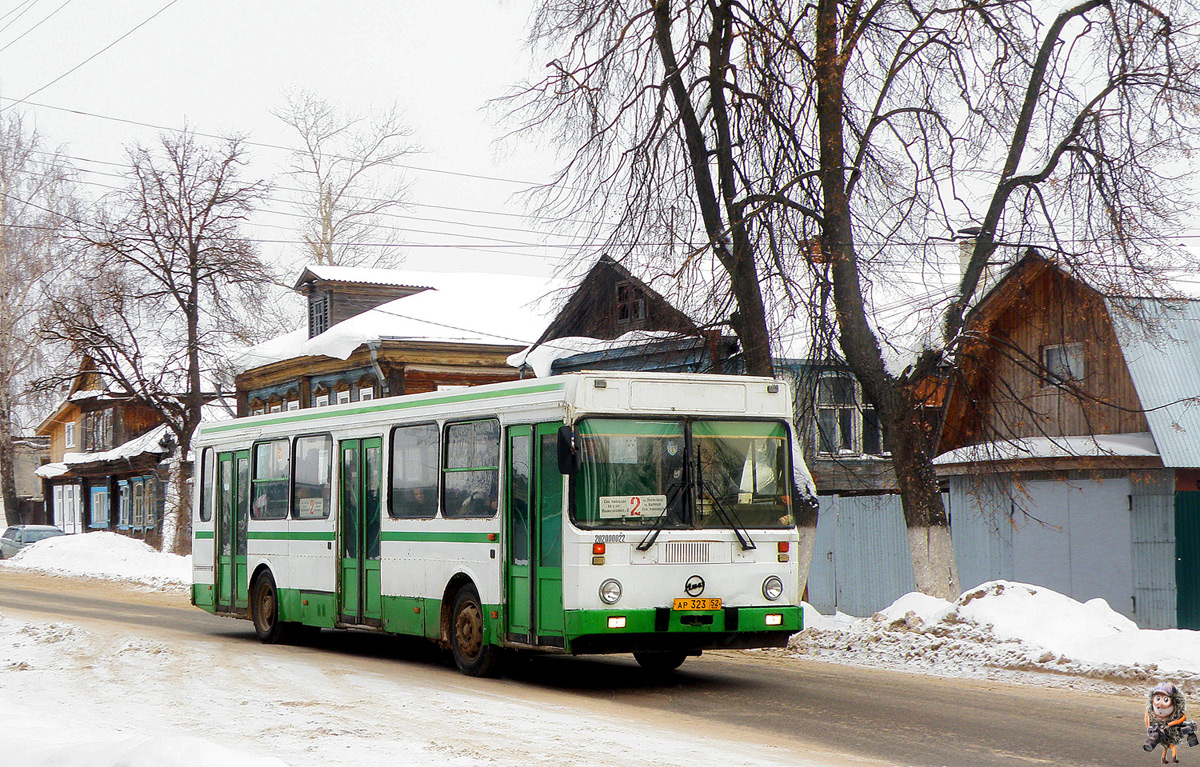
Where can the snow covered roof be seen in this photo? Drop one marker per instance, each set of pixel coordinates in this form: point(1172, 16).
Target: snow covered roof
point(541, 358)
point(148, 443)
point(493, 309)
point(367, 276)
point(1136, 445)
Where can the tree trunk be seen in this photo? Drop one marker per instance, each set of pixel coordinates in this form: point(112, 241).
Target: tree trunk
point(924, 515)
point(8, 465)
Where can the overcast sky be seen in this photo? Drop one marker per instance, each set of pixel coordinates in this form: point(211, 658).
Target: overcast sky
point(221, 66)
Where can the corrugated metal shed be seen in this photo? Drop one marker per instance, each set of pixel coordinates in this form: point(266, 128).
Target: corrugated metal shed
point(1160, 339)
point(861, 562)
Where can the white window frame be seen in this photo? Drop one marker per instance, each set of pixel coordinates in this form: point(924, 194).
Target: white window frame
point(293, 404)
point(343, 397)
point(855, 410)
point(321, 400)
point(366, 393)
point(69, 430)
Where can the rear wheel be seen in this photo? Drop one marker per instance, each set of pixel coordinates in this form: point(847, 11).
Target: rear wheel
point(472, 655)
point(264, 609)
point(660, 662)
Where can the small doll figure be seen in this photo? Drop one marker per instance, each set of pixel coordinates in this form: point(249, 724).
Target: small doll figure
point(1166, 722)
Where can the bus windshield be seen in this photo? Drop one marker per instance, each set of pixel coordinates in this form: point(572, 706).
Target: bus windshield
point(682, 474)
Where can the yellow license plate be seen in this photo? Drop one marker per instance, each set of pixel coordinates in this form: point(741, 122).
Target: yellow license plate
point(696, 604)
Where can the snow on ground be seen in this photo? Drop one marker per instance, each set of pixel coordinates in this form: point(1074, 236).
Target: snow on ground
point(1001, 628)
point(105, 555)
point(69, 696)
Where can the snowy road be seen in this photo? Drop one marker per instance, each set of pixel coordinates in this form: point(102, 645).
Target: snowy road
point(139, 659)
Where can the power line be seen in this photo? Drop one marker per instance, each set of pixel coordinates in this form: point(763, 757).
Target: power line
point(28, 5)
point(97, 53)
point(45, 18)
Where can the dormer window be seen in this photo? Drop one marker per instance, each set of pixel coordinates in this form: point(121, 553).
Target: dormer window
point(318, 314)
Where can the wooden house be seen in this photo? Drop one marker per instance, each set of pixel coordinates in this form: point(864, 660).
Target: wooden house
point(1070, 448)
point(104, 471)
point(382, 332)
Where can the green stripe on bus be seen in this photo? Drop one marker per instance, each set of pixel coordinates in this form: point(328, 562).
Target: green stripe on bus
point(290, 535)
point(310, 414)
point(437, 537)
point(204, 535)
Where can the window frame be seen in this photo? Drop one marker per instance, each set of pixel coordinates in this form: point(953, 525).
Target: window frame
point(292, 510)
point(445, 463)
point(856, 409)
point(286, 480)
point(1050, 378)
point(391, 468)
point(69, 431)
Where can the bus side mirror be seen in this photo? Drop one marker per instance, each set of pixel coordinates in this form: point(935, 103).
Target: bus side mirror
point(568, 458)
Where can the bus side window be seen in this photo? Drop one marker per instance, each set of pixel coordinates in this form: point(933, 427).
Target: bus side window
point(414, 483)
point(472, 472)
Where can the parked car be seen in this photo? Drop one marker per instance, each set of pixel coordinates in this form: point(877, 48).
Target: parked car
point(18, 537)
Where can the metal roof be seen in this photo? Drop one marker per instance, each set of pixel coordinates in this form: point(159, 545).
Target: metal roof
point(1160, 339)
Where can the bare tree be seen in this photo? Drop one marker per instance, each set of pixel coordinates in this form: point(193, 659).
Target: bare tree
point(171, 285)
point(346, 168)
point(35, 195)
point(829, 151)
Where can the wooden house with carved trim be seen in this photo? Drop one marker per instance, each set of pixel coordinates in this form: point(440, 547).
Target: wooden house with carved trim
point(1071, 446)
point(383, 332)
point(105, 470)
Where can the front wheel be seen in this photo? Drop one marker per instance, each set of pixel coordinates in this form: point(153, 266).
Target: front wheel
point(472, 655)
point(660, 662)
point(264, 609)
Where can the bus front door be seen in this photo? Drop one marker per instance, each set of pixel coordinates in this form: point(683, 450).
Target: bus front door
point(534, 526)
point(233, 505)
point(361, 487)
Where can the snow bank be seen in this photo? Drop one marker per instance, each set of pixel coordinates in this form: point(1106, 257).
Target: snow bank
point(1005, 626)
point(105, 555)
point(159, 751)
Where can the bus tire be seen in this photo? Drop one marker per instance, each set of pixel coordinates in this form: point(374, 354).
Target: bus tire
point(472, 655)
point(660, 662)
point(264, 611)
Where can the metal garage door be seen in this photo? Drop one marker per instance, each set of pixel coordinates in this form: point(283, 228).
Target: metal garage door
point(1075, 537)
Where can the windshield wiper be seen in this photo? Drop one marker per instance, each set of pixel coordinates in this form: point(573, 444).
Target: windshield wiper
point(730, 517)
point(661, 519)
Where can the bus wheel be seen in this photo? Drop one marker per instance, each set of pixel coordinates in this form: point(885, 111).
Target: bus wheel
point(472, 655)
point(264, 609)
point(660, 662)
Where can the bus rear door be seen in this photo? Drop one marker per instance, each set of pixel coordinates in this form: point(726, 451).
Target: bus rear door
point(361, 487)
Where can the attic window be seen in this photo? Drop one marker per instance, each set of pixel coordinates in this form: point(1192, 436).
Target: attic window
point(1063, 363)
point(631, 306)
point(318, 315)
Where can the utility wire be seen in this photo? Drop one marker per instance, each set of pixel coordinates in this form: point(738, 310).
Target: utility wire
point(94, 55)
point(45, 18)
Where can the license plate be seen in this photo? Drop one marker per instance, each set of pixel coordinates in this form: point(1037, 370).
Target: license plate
point(704, 603)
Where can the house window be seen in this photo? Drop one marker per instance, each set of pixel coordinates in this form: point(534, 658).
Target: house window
point(366, 393)
point(1063, 363)
point(293, 404)
point(343, 396)
point(846, 423)
point(318, 315)
point(631, 306)
point(69, 434)
point(124, 503)
point(276, 407)
point(99, 507)
point(321, 400)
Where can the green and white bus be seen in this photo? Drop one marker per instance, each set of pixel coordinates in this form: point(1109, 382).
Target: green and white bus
point(589, 513)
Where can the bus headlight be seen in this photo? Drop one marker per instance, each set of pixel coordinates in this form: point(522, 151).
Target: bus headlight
point(610, 591)
point(772, 588)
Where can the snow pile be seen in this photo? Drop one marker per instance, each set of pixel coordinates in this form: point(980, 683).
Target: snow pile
point(1004, 626)
point(105, 555)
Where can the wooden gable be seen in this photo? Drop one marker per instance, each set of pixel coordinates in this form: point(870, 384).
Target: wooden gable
point(1004, 388)
point(610, 302)
point(332, 300)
